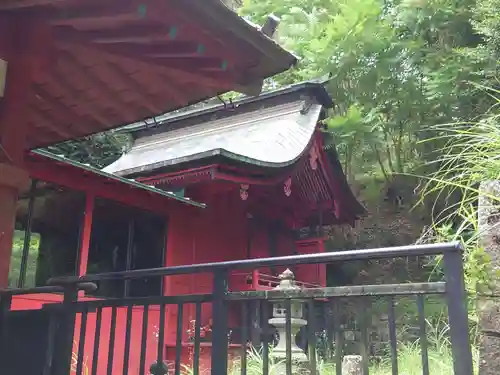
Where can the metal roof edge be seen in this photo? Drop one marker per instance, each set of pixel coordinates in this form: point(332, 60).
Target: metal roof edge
point(206, 154)
point(139, 185)
point(241, 27)
point(316, 87)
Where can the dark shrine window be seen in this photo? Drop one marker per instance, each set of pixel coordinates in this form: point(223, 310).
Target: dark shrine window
point(126, 238)
point(46, 236)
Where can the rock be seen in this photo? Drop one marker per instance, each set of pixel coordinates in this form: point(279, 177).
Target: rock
point(351, 365)
point(488, 306)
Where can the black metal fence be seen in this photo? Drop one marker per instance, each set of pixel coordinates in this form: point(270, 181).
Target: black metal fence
point(113, 336)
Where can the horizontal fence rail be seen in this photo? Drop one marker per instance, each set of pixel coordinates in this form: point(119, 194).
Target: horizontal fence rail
point(292, 260)
point(286, 330)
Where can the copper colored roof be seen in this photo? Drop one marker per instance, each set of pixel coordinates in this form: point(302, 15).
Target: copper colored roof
point(273, 137)
point(263, 132)
point(120, 61)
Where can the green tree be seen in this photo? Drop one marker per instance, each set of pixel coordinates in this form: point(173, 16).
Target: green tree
point(395, 67)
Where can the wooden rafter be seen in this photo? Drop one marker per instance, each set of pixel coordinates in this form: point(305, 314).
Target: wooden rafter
point(99, 64)
point(96, 14)
point(181, 69)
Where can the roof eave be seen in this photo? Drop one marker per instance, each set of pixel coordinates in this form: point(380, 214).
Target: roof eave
point(130, 182)
point(223, 15)
point(317, 88)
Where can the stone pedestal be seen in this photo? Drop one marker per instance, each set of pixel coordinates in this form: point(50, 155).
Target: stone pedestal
point(279, 352)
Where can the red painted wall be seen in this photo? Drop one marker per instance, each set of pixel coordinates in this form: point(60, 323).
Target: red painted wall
point(30, 302)
point(217, 233)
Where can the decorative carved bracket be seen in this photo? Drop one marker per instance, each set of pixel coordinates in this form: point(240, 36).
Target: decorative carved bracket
point(244, 191)
point(313, 157)
point(287, 188)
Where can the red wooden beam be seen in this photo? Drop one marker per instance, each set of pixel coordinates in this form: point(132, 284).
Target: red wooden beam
point(222, 80)
point(25, 47)
point(86, 233)
point(73, 178)
point(163, 176)
point(153, 46)
point(100, 23)
point(90, 15)
point(136, 34)
point(191, 67)
point(16, 4)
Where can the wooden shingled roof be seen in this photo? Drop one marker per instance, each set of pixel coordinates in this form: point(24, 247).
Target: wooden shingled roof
point(114, 62)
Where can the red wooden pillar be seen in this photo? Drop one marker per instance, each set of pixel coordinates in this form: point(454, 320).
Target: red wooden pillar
point(83, 257)
point(86, 232)
point(21, 42)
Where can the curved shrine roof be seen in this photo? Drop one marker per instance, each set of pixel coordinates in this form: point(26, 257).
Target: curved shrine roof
point(101, 64)
point(271, 137)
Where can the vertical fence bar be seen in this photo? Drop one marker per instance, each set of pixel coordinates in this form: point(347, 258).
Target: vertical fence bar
point(5, 305)
point(220, 326)
point(457, 313)
point(423, 334)
point(197, 329)
point(144, 342)
point(128, 337)
point(161, 333)
point(27, 236)
point(311, 345)
point(244, 337)
point(112, 334)
point(339, 335)
point(363, 308)
point(288, 333)
point(159, 367)
point(392, 335)
point(266, 332)
point(330, 334)
point(128, 261)
point(97, 339)
point(81, 342)
point(49, 352)
point(64, 344)
point(178, 343)
point(256, 326)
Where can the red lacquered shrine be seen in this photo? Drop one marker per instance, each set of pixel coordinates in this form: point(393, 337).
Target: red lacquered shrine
point(262, 168)
point(77, 67)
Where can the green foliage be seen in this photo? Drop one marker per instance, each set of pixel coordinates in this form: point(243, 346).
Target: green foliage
point(394, 67)
point(399, 70)
point(97, 150)
point(469, 156)
point(409, 358)
point(16, 257)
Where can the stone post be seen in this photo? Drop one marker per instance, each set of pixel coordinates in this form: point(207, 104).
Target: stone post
point(299, 358)
point(489, 305)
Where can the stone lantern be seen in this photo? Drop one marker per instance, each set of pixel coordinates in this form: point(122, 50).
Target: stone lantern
point(287, 282)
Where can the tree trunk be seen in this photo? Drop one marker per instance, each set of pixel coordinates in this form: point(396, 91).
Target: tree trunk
point(488, 302)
